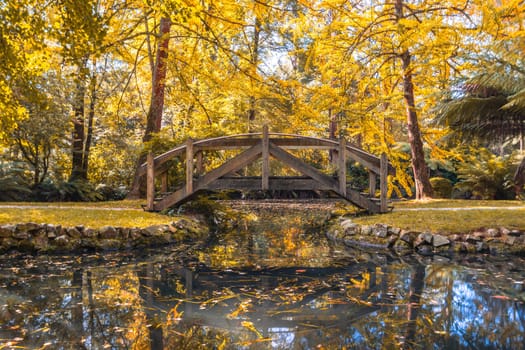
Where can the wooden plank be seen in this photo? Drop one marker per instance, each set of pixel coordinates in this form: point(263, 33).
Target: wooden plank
point(302, 167)
point(150, 182)
point(361, 201)
point(164, 182)
point(172, 199)
point(189, 165)
point(383, 183)
point(372, 179)
point(163, 158)
point(265, 171)
point(341, 166)
point(274, 183)
point(234, 164)
point(199, 162)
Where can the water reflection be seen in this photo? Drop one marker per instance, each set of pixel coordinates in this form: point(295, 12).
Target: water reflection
point(266, 290)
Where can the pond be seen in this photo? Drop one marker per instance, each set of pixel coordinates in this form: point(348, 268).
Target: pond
point(275, 285)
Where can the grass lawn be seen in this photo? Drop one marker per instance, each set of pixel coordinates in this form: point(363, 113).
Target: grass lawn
point(451, 216)
point(446, 216)
point(95, 215)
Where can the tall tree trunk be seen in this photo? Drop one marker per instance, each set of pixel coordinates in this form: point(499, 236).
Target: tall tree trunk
point(254, 62)
point(77, 160)
point(419, 166)
point(154, 116)
point(91, 117)
point(519, 178)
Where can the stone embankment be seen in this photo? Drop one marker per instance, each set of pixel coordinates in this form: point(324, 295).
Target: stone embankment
point(33, 237)
point(380, 236)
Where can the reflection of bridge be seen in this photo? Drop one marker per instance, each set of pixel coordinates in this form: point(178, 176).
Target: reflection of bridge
point(262, 146)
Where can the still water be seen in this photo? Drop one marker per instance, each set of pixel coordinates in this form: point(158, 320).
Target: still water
point(276, 286)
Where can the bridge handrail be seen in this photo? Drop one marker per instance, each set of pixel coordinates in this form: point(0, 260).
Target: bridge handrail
point(369, 160)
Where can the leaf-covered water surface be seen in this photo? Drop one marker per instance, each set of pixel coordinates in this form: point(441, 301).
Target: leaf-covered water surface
point(271, 286)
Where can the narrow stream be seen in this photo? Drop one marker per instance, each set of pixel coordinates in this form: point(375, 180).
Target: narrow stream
point(275, 285)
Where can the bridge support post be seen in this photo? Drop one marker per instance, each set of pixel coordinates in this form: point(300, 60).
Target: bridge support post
point(199, 164)
point(265, 171)
point(372, 178)
point(164, 182)
point(189, 166)
point(150, 182)
point(383, 182)
point(341, 164)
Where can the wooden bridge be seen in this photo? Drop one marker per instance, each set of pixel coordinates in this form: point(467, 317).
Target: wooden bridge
point(263, 146)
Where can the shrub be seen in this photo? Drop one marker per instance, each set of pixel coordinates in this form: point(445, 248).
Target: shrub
point(13, 186)
point(74, 191)
point(442, 187)
point(486, 175)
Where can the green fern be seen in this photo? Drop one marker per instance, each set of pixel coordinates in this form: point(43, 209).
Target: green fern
point(486, 175)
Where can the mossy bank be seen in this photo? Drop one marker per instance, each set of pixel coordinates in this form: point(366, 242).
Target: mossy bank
point(497, 240)
point(48, 238)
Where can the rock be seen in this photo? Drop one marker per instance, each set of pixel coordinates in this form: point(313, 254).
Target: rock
point(51, 234)
point(493, 232)
point(424, 249)
point(7, 231)
point(22, 235)
point(352, 229)
point(155, 230)
point(41, 243)
point(28, 227)
point(402, 245)
point(482, 247)
point(423, 238)
point(108, 232)
point(479, 234)
point(409, 237)
point(472, 239)
point(89, 233)
point(345, 223)
point(394, 231)
point(392, 241)
point(73, 232)
point(366, 230)
point(439, 240)
point(455, 238)
point(80, 228)
point(510, 240)
point(515, 233)
point(504, 231)
point(380, 230)
point(62, 241)
point(108, 244)
point(135, 233)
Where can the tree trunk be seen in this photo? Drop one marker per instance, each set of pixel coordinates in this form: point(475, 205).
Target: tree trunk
point(91, 117)
point(519, 178)
point(77, 160)
point(154, 116)
point(254, 61)
point(419, 166)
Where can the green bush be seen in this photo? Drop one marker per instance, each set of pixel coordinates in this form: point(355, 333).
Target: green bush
point(442, 187)
point(71, 191)
point(486, 175)
point(13, 186)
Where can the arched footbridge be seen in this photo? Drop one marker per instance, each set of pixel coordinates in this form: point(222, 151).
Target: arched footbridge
point(263, 146)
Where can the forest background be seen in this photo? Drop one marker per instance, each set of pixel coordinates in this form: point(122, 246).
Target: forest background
point(88, 87)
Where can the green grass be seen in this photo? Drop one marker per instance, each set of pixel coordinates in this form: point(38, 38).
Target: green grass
point(130, 214)
point(94, 215)
point(455, 220)
point(456, 203)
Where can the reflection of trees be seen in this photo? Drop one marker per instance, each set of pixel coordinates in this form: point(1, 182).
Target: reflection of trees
point(162, 304)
